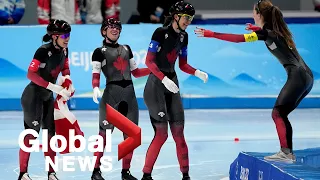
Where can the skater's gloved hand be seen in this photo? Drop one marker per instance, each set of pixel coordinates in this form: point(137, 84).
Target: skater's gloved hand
point(170, 85)
point(201, 75)
point(59, 90)
point(96, 94)
point(251, 27)
point(201, 32)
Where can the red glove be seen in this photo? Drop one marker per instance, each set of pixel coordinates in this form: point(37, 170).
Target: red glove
point(251, 27)
point(208, 33)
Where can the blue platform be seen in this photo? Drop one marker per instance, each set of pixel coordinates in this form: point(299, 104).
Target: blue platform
point(250, 165)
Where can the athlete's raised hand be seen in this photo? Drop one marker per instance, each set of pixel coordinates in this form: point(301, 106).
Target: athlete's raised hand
point(251, 27)
point(201, 75)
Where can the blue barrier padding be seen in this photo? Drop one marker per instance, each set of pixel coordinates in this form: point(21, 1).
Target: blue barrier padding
point(188, 103)
point(251, 165)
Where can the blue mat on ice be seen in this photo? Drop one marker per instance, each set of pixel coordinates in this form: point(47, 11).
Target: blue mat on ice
point(251, 165)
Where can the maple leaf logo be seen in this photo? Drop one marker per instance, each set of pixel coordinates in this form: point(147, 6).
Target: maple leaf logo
point(120, 64)
point(55, 72)
point(172, 56)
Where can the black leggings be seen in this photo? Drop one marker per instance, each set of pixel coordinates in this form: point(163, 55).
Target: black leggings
point(297, 87)
point(38, 107)
point(165, 108)
point(123, 99)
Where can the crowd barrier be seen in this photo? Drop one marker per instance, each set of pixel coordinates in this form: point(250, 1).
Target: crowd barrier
point(241, 75)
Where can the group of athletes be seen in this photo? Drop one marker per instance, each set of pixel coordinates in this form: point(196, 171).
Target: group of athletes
point(161, 94)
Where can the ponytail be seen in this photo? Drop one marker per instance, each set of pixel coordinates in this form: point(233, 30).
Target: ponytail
point(46, 38)
point(280, 27)
point(167, 21)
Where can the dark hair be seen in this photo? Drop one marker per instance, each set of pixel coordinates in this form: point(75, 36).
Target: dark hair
point(46, 38)
point(273, 17)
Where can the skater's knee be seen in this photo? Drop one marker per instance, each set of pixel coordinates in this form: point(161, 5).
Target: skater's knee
point(177, 129)
point(275, 114)
point(178, 137)
point(161, 134)
point(161, 137)
point(160, 128)
point(27, 139)
point(280, 112)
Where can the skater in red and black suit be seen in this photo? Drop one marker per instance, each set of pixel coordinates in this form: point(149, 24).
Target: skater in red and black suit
point(273, 30)
point(37, 99)
point(161, 93)
point(117, 64)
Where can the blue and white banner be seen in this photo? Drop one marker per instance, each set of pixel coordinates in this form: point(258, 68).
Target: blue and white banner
point(235, 70)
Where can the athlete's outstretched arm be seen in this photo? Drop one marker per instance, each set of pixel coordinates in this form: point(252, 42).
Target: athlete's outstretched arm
point(236, 38)
point(135, 71)
point(138, 72)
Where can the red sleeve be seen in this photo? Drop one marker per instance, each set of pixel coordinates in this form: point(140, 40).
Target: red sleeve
point(185, 67)
point(183, 56)
point(43, 11)
point(224, 36)
point(66, 69)
point(151, 56)
point(140, 72)
point(34, 76)
point(95, 80)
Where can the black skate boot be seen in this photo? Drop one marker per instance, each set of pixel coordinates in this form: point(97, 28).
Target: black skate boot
point(24, 176)
point(96, 175)
point(52, 176)
point(126, 175)
point(186, 176)
point(147, 177)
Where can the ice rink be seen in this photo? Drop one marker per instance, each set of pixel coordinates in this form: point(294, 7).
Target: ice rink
point(210, 137)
